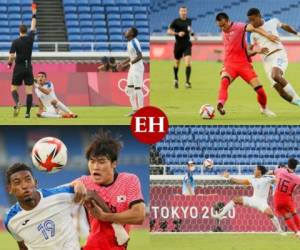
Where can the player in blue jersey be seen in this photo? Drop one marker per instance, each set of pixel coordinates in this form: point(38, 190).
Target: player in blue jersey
point(188, 183)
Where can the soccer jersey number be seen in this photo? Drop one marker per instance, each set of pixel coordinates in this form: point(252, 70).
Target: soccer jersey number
point(47, 228)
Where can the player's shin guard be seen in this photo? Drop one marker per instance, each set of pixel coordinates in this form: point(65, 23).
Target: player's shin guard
point(223, 90)
point(121, 234)
point(28, 103)
point(175, 69)
point(131, 93)
point(276, 223)
point(63, 107)
point(140, 97)
point(261, 96)
point(290, 224)
point(188, 71)
point(15, 96)
point(296, 221)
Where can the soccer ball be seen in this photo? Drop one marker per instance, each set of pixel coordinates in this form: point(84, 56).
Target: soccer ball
point(207, 111)
point(49, 154)
point(208, 163)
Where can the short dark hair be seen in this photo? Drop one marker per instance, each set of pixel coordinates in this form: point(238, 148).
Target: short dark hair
point(253, 11)
point(112, 60)
point(292, 163)
point(42, 73)
point(23, 29)
point(17, 167)
point(104, 144)
point(222, 15)
point(182, 7)
point(262, 169)
point(134, 31)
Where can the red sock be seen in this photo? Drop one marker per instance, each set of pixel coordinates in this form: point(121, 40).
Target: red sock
point(296, 221)
point(261, 96)
point(291, 225)
point(223, 90)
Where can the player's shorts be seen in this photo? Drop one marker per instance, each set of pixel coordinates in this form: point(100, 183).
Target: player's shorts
point(284, 205)
point(182, 50)
point(245, 71)
point(22, 73)
point(136, 76)
point(279, 60)
point(253, 202)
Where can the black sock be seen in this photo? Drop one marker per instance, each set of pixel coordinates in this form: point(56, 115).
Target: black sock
point(188, 70)
point(175, 73)
point(15, 96)
point(28, 103)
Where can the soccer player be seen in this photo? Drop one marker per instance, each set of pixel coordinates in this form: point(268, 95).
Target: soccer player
point(49, 105)
point(275, 58)
point(121, 192)
point(181, 28)
point(188, 183)
point(237, 62)
point(135, 79)
point(22, 48)
point(286, 183)
point(259, 200)
point(41, 219)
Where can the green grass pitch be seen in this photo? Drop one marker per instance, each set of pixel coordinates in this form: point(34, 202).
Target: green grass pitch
point(182, 105)
point(86, 116)
point(219, 241)
point(139, 239)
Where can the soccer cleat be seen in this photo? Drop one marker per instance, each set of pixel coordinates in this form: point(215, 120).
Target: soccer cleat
point(188, 85)
point(221, 109)
point(27, 115)
point(69, 116)
point(176, 84)
point(17, 109)
point(267, 112)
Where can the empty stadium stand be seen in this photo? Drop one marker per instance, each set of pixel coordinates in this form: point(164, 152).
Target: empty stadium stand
point(227, 146)
point(203, 12)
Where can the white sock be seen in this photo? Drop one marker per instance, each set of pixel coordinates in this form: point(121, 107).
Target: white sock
point(291, 91)
point(50, 115)
point(140, 97)
point(131, 93)
point(63, 107)
point(227, 208)
point(276, 223)
point(121, 234)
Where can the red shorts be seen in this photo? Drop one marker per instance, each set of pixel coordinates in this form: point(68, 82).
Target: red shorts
point(284, 205)
point(245, 71)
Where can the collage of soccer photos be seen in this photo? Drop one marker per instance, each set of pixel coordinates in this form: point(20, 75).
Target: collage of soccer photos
point(149, 124)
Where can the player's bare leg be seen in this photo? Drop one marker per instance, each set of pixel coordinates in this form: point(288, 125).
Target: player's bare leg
point(274, 220)
point(223, 92)
point(261, 97)
point(188, 70)
point(60, 106)
point(176, 68)
point(284, 88)
point(238, 200)
point(28, 91)
point(15, 95)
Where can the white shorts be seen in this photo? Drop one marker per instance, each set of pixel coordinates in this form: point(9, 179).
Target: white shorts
point(135, 76)
point(253, 202)
point(279, 60)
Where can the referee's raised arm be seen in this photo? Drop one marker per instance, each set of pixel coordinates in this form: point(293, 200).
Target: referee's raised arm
point(33, 20)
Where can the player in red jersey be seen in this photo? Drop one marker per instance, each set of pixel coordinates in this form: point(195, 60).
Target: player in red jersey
point(286, 182)
point(237, 61)
point(120, 191)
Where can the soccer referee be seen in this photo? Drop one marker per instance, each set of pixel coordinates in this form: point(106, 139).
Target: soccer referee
point(20, 51)
point(181, 28)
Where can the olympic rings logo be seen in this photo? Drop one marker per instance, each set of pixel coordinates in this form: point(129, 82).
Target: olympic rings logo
point(122, 84)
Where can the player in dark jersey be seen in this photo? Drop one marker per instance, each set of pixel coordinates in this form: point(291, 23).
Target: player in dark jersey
point(181, 28)
point(20, 51)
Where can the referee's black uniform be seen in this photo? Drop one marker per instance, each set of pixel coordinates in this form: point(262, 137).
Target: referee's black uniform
point(22, 46)
point(183, 45)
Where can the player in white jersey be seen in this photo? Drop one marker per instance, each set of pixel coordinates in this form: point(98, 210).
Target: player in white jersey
point(135, 79)
point(274, 55)
point(49, 105)
point(259, 200)
point(41, 219)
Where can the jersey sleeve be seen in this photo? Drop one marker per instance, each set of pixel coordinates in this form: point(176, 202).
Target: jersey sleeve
point(278, 23)
point(134, 191)
point(12, 48)
point(31, 35)
point(136, 46)
point(173, 25)
point(15, 236)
